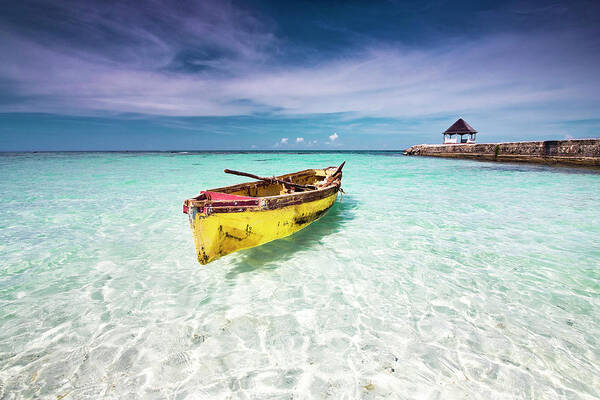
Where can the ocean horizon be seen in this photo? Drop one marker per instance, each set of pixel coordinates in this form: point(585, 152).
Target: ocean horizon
point(203, 151)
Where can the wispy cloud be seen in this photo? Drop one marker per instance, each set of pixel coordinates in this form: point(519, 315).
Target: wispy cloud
point(299, 140)
point(380, 82)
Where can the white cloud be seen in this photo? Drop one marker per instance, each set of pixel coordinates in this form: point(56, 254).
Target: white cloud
point(299, 140)
point(282, 141)
point(333, 137)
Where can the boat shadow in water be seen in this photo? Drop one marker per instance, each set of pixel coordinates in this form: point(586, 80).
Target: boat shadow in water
point(270, 255)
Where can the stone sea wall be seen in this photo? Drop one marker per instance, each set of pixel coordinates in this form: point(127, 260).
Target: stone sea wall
point(584, 152)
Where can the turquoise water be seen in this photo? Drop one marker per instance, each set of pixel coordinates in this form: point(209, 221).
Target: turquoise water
point(432, 279)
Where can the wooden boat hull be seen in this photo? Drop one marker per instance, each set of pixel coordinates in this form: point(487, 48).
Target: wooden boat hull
point(236, 223)
point(221, 234)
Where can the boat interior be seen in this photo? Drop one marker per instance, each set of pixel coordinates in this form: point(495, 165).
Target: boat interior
point(312, 177)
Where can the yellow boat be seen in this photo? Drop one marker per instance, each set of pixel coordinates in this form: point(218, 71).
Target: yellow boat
point(237, 217)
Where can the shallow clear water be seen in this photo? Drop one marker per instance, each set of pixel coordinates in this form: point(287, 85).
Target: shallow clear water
point(432, 278)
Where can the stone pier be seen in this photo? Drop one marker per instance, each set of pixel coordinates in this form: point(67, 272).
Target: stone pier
point(582, 152)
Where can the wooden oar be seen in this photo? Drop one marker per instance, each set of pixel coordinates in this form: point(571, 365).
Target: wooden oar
point(260, 178)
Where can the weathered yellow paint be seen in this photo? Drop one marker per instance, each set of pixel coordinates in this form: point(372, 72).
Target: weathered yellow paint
point(219, 234)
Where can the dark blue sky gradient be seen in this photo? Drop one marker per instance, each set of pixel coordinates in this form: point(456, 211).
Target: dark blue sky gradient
point(205, 75)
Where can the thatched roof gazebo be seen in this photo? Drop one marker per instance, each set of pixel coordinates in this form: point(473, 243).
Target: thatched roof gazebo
point(461, 128)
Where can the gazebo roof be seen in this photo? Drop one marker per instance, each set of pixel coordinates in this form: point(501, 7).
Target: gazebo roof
point(460, 127)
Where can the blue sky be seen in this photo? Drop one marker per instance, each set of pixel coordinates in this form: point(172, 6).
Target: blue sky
point(208, 75)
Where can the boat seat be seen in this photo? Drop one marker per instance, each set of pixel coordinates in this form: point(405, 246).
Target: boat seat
point(216, 196)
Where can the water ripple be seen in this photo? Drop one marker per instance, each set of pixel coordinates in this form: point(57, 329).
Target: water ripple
point(432, 279)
